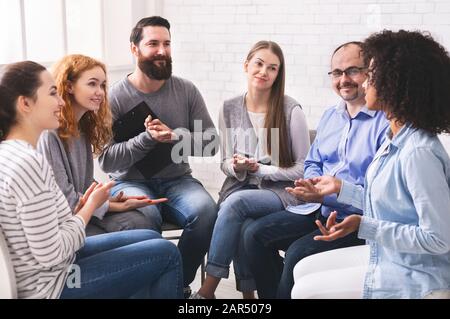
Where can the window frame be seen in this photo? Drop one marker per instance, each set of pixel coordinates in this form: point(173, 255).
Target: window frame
point(23, 32)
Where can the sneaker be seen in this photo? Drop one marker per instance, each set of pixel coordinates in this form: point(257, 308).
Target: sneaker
point(195, 295)
point(187, 292)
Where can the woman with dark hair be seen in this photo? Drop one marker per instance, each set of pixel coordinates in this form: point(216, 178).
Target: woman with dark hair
point(85, 128)
point(406, 198)
point(50, 254)
point(265, 140)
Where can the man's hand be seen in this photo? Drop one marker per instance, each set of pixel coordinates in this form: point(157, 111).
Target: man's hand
point(333, 230)
point(305, 191)
point(242, 164)
point(159, 131)
point(327, 185)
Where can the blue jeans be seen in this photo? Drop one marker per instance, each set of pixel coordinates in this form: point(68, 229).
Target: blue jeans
point(189, 206)
point(292, 233)
point(128, 264)
point(225, 243)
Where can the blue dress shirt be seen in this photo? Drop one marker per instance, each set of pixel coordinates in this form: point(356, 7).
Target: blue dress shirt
point(344, 147)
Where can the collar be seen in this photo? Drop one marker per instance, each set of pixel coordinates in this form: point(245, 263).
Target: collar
point(341, 108)
point(400, 139)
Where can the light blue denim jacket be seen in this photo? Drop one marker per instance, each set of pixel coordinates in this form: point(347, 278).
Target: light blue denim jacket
point(406, 216)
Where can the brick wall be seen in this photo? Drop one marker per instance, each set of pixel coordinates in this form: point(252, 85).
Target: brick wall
point(211, 40)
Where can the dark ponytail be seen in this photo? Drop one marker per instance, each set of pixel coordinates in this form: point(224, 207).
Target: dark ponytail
point(17, 79)
point(7, 112)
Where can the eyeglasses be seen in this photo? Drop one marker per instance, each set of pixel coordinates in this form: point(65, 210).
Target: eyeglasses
point(351, 72)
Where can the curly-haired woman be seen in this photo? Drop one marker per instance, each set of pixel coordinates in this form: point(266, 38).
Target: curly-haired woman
point(406, 198)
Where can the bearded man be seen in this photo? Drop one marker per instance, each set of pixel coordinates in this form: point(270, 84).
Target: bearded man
point(152, 112)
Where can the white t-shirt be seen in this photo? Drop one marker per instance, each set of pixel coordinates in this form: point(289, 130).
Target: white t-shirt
point(258, 120)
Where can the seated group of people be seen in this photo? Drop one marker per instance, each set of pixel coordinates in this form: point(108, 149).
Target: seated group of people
point(376, 173)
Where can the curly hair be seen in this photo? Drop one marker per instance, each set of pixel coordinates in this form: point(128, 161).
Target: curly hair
point(97, 126)
point(411, 74)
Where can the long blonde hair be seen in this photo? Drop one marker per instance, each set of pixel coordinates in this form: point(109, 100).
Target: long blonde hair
point(97, 126)
point(276, 117)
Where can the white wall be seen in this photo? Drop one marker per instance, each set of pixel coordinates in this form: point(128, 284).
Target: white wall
point(212, 38)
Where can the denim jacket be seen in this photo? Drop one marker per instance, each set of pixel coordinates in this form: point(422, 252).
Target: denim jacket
point(406, 216)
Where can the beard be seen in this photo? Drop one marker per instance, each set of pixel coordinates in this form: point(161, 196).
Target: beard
point(155, 71)
point(348, 85)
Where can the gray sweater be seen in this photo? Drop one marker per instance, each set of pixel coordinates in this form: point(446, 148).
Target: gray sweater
point(234, 115)
point(73, 168)
point(178, 104)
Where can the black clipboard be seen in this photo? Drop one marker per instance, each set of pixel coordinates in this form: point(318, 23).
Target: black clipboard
point(130, 125)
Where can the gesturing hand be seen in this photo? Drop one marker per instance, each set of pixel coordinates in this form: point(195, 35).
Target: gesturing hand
point(159, 131)
point(326, 185)
point(305, 191)
point(99, 195)
point(333, 230)
point(242, 164)
point(85, 197)
point(121, 197)
point(133, 202)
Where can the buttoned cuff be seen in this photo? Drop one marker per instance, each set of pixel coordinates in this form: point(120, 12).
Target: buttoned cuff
point(346, 193)
point(368, 228)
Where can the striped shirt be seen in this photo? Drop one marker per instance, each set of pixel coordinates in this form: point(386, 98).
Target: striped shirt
point(36, 221)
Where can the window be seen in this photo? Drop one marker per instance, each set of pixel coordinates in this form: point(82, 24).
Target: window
point(84, 27)
point(10, 31)
point(46, 30)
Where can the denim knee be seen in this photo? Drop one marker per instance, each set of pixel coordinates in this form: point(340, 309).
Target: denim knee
point(209, 208)
point(249, 237)
point(233, 205)
point(293, 255)
point(206, 214)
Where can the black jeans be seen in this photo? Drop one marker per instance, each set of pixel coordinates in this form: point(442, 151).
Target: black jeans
point(292, 233)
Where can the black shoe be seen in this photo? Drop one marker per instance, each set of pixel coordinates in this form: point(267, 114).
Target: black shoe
point(187, 292)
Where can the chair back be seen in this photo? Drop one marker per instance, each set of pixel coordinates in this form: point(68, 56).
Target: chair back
point(7, 278)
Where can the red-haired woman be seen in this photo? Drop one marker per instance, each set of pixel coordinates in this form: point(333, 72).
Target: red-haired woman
point(85, 127)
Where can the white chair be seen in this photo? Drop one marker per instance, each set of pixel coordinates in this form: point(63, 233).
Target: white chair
point(7, 278)
point(333, 274)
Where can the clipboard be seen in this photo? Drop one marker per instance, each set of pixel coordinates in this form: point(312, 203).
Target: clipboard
point(130, 125)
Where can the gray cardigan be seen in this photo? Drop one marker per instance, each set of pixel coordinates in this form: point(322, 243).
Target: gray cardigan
point(73, 168)
point(238, 137)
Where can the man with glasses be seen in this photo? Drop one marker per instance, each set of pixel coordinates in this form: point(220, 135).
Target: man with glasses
point(347, 139)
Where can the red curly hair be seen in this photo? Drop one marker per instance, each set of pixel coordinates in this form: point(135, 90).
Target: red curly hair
point(97, 126)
